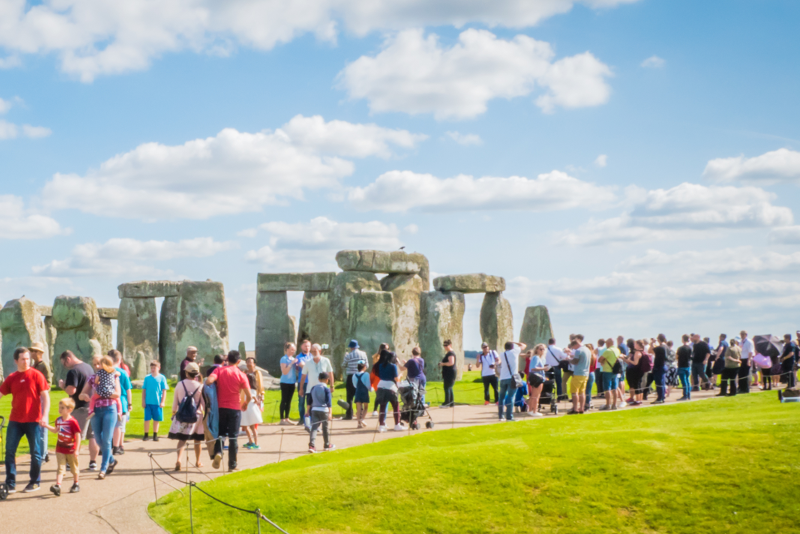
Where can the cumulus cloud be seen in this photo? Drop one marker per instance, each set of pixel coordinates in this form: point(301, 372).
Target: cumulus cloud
point(734, 261)
point(130, 256)
point(95, 37)
point(10, 130)
point(5, 105)
point(17, 222)
point(397, 191)
point(653, 62)
point(788, 235)
point(782, 165)
point(465, 139)
point(35, 132)
point(414, 73)
point(682, 211)
point(601, 161)
point(232, 172)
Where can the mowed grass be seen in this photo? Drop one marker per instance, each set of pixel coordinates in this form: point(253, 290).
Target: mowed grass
point(719, 465)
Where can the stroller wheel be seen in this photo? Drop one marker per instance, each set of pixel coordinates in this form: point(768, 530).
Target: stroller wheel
point(429, 424)
point(414, 426)
point(3, 492)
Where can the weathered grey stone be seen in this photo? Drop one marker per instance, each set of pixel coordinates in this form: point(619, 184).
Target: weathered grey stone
point(108, 313)
point(242, 350)
point(274, 328)
point(21, 324)
point(381, 261)
point(536, 327)
point(168, 336)
point(137, 334)
point(50, 334)
point(406, 290)
point(77, 324)
point(371, 320)
point(295, 281)
point(314, 323)
point(46, 311)
point(497, 323)
point(202, 319)
point(106, 335)
point(345, 285)
point(294, 322)
point(149, 289)
point(470, 283)
point(441, 318)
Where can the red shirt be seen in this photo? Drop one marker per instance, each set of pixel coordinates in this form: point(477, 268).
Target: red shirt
point(230, 380)
point(69, 435)
point(25, 388)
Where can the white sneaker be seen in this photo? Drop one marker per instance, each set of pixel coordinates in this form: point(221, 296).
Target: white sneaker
point(502, 418)
point(623, 404)
point(399, 428)
point(375, 414)
point(537, 414)
point(382, 428)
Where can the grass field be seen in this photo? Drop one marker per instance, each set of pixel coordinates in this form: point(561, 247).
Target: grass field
point(722, 465)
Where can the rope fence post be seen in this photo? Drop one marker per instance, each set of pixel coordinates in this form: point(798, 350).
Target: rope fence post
point(153, 470)
point(280, 446)
point(258, 519)
point(191, 513)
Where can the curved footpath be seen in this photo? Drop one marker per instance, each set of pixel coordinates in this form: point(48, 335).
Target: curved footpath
point(119, 503)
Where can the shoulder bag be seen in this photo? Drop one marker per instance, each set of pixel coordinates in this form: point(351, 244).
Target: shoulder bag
point(518, 383)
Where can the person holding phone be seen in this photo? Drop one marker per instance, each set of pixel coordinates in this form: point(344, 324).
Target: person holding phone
point(488, 361)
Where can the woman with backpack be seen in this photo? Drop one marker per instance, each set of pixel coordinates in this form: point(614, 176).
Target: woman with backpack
point(187, 414)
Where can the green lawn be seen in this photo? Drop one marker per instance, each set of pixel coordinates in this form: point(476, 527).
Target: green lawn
point(720, 465)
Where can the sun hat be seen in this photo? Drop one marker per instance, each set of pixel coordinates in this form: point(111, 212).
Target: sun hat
point(192, 367)
point(36, 346)
point(353, 344)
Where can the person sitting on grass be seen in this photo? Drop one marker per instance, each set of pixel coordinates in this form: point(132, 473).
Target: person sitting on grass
point(68, 447)
point(154, 397)
point(320, 400)
point(362, 386)
point(520, 403)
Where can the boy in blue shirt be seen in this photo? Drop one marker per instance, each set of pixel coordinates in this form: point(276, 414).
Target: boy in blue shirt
point(320, 413)
point(154, 397)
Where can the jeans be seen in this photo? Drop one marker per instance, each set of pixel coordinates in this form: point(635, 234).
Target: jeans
point(44, 431)
point(598, 379)
point(104, 422)
point(698, 374)
point(508, 390)
point(559, 385)
point(14, 434)
point(490, 380)
point(351, 394)
point(589, 384)
point(301, 402)
point(319, 419)
point(229, 423)
point(730, 376)
point(685, 378)
point(385, 397)
point(287, 392)
point(660, 376)
point(448, 392)
point(744, 377)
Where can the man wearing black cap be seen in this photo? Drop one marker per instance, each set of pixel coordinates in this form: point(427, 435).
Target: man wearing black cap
point(350, 366)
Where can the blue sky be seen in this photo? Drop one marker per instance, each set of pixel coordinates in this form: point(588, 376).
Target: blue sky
point(655, 147)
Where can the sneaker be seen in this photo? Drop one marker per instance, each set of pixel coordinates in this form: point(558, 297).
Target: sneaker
point(30, 488)
point(502, 418)
point(55, 489)
point(375, 414)
point(486, 403)
point(101, 476)
point(382, 428)
point(217, 460)
point(155, 437)
point(92, 466)
point(121, 449)
point(255, 447)
point(623, 404)
point(511, 419)
point(330, 447)
point(46, 457)
point(75, 488)
point(146, 438)
point(312, 449)
point(657, 402)
point(11, 489)
point(114, 451)
point(399, 428)
point(536, 414)
point(604, 408)
point(247, 445)
point(111, 467)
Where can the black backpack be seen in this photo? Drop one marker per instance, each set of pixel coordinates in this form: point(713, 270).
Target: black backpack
point(187, 410)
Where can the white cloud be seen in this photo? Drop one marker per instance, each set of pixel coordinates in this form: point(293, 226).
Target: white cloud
point(688, 264)
point(5, 105)
point(95, 37)
point(406, 190)
point(782, 165)
point(16, 222)
point(788, 235)
point(8, 130)
point(653, 62)
point(601, 161)
point(130, 256)
point(232, 172)
point(414, 74)
point(35, 132)
point(683, 211)
point(465, 139)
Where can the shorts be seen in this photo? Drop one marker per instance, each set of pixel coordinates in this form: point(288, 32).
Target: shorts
point(122, 422)
point(153, 412)
point(578, 384)
point(610, 381)
point(63, 460)
point(81, 415)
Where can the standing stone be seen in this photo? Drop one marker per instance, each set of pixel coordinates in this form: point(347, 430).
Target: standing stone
point(371, 320)
point(168, 337)
point(77, 324)
point(441, 318)
point(314, 324)
point(497, 323)
point(242, 350)
point(406, 290)
point(345, 285)
point(274, 328)
point(21, 324)
point(293, 321)
point(202, 320)
point(536, 327)
point(106, 335)
point(137, 334)
point(50, 334)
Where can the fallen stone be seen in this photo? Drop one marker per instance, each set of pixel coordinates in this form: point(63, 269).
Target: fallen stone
point(149, 289)
point(497, 323)
point(470, 283)
point(108, 313)
point(314, 324)
point(168, 336)
point(345, 285)
point(137, 334)
point(536, 327)
point(371, 320)
point(21, 325)
point(441, 318)
point(77, 325)
point(295, 281)
point(406, 290)
point(274, 328)
point(380, 261)
point(202, 320)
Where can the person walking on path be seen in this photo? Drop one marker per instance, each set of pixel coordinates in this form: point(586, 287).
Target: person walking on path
point(362, 387)
point(488, 360)
point(154, 398)
point(288, 382)
point(68, 445)
point(448, 365)
point(748, 351)
point(231, 383)
point(252, 417)
point(106, 412)
point(386, 393)
point(684, 360)
point(536, 377)
point(320, 407)
point(188, 426)
point(730, 374)
point(509, 366)
point(191, 357)
point(37, 362)
point(350, 367)
point(30, 404)
point(311, 371)
point(580, 358)
point(701, 352)
point(78, 374)
point(608, 361)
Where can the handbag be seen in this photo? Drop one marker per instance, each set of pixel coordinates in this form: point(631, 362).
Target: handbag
point(518, 383)
point(562, 364)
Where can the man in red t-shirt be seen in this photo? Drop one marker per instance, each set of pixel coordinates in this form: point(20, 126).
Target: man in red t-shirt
point(231, 382)
point(30, 399)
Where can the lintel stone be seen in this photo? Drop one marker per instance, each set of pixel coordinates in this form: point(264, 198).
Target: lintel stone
point(381, 261)
point(470, 283)
point(149, 289)
point(107, 313)
point(295, 281)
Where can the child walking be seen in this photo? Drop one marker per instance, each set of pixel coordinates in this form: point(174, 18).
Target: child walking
point(320, 413)
point(361, 381)
point(68, 446)
point(154, 397)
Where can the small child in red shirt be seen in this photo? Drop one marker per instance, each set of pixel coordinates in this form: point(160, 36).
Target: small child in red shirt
point(68, 446)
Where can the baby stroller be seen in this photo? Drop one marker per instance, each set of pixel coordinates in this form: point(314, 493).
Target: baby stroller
point(548, 396)
point(411, 393)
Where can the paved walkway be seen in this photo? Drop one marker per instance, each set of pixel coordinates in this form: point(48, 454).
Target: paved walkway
point(119, 503)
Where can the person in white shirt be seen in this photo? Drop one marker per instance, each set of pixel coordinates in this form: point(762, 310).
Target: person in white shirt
point(748, 351)
point(509, 364)
point(311, 371)
point(554, 356)
point(488, 360)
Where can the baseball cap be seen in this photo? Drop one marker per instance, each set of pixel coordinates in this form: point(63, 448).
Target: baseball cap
point(353, 344)
point(484, 344)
